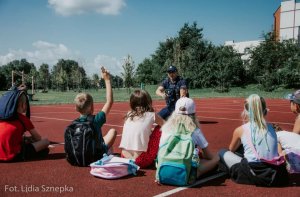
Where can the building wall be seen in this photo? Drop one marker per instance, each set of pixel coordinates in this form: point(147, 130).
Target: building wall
point(289, 19)
point(241, 47)
point(277, 23)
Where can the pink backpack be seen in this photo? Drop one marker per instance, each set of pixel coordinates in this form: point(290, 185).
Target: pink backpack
point(112, 167)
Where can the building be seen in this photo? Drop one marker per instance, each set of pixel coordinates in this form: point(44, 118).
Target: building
point(243, 47)
point(286, 26)
point(287, 20)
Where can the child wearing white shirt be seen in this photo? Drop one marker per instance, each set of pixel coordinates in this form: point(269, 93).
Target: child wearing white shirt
point(138, 141)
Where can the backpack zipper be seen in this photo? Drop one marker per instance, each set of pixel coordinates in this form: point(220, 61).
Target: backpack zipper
point(83, 149)
point(73, 148)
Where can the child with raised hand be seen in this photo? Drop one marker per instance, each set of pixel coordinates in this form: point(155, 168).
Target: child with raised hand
point(12, 140)
point(85, 106)
point(139, 142)
point(258, 139)
point(185, 113)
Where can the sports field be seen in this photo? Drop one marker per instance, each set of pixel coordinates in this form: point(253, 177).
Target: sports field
point(54, 176)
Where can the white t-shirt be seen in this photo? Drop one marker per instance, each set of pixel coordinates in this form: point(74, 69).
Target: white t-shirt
point(288, 140)
point(197, 137)
point(136, 132)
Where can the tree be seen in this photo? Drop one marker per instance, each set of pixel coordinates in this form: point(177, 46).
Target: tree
point(144, 72)
point(15, 65)
point(95, 81)
point(117, 81)
point(44, 76)
point(227, 69)
point(275, 63)
point(3, 79)
point(129, 72)
point(69, 75)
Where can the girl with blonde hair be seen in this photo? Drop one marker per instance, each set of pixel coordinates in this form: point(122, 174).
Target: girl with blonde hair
point(258, 141)
point(185, 114)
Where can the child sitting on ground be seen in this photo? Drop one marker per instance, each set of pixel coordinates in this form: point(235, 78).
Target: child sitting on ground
point(12, 143)
point(185, 113)
point(291, 139)
point(85, 106)
point(138, 141)
point(288, 140)
point(259, 140)
point(295, 108)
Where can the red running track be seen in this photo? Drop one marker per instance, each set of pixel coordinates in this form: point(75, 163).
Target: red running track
point(54, 176)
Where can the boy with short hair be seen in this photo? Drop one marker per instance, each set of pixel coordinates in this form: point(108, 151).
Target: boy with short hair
point(295, 108)
point(12, 146)
point(85, 106)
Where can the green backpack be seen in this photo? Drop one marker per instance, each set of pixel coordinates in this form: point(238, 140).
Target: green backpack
point(174, 159)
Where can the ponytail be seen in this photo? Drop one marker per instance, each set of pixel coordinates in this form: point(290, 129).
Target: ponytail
point(255, 110)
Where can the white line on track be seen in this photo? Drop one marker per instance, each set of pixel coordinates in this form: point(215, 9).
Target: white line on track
point(68, 120)
point(223, 111)
point(121, 126)
point(173, 191)
point(241, 120)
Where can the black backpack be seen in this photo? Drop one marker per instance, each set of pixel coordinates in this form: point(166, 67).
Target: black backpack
point(83, 144)
point(9, 104)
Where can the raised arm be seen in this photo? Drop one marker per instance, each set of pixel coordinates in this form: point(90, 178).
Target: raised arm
point(109, 95)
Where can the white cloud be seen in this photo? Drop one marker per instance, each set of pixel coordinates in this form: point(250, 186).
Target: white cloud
point(76, 7)
point(50, 53)
point(44, 52)
point(111, 63)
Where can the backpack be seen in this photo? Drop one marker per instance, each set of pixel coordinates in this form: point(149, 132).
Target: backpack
point(83, 144)
point(292, 157)
point(174, 159)
point(112, 167)
point(9, 104)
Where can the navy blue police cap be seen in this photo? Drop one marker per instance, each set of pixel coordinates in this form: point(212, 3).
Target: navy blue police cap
point(171, 69)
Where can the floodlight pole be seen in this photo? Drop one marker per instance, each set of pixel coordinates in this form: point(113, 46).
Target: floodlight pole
point(32, 84)
point(12, 78)
point(23, 77)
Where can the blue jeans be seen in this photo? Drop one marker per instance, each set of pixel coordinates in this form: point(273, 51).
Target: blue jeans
point(166, 112)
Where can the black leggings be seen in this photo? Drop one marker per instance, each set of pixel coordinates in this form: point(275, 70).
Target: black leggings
point(28, 152)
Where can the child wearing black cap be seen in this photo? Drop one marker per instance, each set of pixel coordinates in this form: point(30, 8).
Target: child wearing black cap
point(295, 108)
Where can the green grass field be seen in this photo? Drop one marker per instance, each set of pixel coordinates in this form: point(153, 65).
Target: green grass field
point(122, 94)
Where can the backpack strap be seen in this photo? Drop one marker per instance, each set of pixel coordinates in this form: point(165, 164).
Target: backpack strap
point(278, 160)
point(27, 102)
point(249, 141)
point(90, 118)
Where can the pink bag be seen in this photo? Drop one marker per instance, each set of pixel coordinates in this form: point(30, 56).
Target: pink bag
point(112, 167)
point(292, 157)
point(277, 161)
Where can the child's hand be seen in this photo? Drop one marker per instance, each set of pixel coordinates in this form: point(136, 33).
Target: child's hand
point(105, 73)
point(22, 87)
point(276, 127)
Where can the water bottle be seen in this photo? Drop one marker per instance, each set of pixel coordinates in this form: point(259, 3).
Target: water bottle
point(195, 164)
point(195, 158)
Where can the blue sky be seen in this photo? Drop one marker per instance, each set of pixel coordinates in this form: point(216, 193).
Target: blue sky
point(95, 32)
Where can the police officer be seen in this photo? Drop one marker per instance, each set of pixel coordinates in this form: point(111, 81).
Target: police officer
point(171, 89)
